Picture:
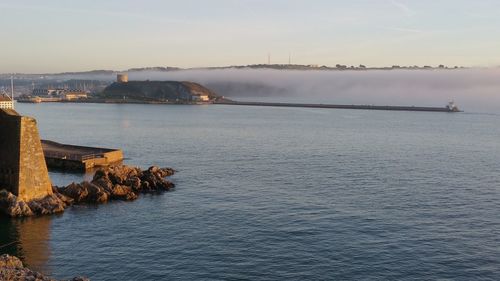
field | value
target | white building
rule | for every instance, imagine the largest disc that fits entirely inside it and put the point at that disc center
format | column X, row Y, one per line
column 6, row 102
column 200, row 98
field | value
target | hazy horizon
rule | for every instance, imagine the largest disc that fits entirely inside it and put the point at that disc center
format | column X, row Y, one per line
column 60, row 36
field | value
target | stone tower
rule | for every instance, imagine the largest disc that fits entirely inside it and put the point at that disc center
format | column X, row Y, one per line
column 23, row 170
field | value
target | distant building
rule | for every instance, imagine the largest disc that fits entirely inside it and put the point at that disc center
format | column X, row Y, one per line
column 48, row 92
column 74, row 95
column 122, row 78
column 200, row 98
column 6, row 102
column 54, row 95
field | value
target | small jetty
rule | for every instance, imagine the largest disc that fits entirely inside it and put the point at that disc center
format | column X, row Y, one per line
column 451, row 107
column 78, row 158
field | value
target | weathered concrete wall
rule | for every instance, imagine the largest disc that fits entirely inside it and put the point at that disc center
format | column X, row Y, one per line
column 23, row 170
column 113, row 156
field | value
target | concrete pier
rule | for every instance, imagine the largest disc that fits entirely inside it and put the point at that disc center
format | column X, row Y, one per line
column 78, row 158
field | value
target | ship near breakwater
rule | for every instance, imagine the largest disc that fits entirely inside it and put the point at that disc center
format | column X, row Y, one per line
column 450, row 107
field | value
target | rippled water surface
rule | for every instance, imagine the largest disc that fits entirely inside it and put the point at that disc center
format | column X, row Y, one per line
column 278, row 194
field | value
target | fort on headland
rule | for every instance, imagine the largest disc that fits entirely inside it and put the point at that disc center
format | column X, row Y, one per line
column 124, row 90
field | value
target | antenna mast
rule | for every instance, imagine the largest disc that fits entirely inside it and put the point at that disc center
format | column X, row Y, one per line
column 12, row 89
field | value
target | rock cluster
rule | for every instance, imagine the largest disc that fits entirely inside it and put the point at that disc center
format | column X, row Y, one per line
column 12, row 206
column 112, row 183
column 12, row 269
column 119, row 183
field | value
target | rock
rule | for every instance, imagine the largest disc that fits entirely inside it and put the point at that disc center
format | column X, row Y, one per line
column 96, row 194
column 154, row 176
column 11, row 206
column 122, row 192
column 68, row 201
column 134, row 182
column 145, row 186
column 12, row 269
column 10, row 261
column 166, row 172
column 112, row 183
column 50, row 204
column 85, row 192
column 75, row 191
column 105, row 183
column 119, row 174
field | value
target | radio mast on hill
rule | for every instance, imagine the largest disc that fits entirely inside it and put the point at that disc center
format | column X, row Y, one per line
column 268, row 58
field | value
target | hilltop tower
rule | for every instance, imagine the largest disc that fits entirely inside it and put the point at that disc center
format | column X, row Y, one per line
column 122, row 78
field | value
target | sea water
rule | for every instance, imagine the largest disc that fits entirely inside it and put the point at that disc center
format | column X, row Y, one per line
column 277, row 194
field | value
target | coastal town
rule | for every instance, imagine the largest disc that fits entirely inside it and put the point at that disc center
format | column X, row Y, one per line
column 123, row 91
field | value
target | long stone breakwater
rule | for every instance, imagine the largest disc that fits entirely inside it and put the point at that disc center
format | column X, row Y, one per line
column 449, row 108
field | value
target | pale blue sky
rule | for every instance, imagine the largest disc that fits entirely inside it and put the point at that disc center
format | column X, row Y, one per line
column 74, row 35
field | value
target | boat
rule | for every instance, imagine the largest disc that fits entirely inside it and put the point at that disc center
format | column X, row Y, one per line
column 452, row 107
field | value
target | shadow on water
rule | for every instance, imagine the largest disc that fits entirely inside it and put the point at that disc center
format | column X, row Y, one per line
column 27, row 239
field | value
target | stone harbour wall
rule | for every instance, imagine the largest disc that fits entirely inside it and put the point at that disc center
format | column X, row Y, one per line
column 23, row 170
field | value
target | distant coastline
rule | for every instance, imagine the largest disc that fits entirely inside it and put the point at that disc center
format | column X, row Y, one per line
column 337, row 67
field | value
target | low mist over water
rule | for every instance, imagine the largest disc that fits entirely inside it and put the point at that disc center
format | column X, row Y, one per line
column 474, row 90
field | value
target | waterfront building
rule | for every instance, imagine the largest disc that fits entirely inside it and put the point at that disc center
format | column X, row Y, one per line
column 47, row 92
column 74, row 95
column 200, row 98
column 59, row 94
column 6, row 102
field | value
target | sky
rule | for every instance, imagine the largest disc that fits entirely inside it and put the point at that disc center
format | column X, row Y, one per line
column 78, row 35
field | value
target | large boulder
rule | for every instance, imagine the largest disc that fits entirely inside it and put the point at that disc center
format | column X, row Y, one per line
column 123, row 192
column 96, row 194
column 75, row 191
column 154, row 179
column 10, row 261
column 12, row 206
column 50, row 204
column 85, row 192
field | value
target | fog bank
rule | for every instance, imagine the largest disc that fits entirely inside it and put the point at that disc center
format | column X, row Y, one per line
column 474, row 90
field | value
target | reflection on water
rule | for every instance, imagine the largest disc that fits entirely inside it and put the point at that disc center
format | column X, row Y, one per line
column 27, row 239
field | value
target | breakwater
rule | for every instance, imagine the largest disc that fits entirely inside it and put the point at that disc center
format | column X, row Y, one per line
column 448, row 108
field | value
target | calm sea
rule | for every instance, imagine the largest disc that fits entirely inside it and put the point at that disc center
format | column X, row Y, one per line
column 277, row 194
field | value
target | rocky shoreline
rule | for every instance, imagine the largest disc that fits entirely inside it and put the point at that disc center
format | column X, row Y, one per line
column 11, row 269
column 113, row 183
